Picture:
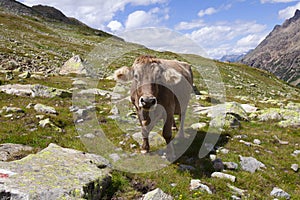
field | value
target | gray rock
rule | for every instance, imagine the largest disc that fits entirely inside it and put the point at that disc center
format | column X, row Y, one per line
column 9, row 151
column 56, row 173
column 257, row 141
column 79, row 84
column 231, row 165
column 198, row 126
column 277, row 192
column 296, row 152
column 46, row 122
column 25, row 75
column 157, row 194
column 218, row 165
column 237, row 190
column 73, row 66
column 196, row 184
column 12, row 109
column 89, row 135
column 115, row 157
column 234, row 197
column 249, row 108
column 250, row 164
column 115, row 111
column 295, row 167
column 223, row 176
column 45, row 109
column 34, row 91
column 9, row 75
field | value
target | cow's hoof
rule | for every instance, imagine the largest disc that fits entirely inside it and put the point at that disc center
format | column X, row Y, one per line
column 144, row 151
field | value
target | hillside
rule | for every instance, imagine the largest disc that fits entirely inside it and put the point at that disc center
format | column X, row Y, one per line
column 279, row 53
column 39, row 107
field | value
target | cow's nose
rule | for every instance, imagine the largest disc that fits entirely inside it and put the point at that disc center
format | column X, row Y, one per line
column 147, row 102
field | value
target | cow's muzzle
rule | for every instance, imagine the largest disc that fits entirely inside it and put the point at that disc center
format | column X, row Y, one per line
column 147, row 102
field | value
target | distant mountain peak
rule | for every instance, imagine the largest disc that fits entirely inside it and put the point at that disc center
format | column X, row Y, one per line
column 279, row 52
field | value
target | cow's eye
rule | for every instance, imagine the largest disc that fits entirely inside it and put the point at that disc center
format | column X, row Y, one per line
column 136, row 76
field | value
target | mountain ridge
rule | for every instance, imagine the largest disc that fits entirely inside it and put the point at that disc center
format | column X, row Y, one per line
column 279, row 52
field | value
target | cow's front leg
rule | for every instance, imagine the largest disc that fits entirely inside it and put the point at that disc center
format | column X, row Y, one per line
column 145, row 146
column 167, row 130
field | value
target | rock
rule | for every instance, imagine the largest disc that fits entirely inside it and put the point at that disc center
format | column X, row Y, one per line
column 250, row 164
column 155, row 139
column 295, row 167
column 281, row 141
column 196, row 184
column 237, row 190
column 12, row 109
column 45, row 109
column 9, row 75
column 233, row 197
column 249, row 108
column 156, row 195
column 198, row 126
column 212, row 157
column 95, row 91
column 218, row 165
column 257, row 141
column 34, row 91
column 79, row 84
column 56, row 173
column 46, row 122
column 277, row 192
column 25, row 75
column 10, row 151
column 73, row 66
column 296, row 152
column 115, row 157
column 230, row 121
column 89, row 135
column 115, row 111
column 223, row 176
column 231, row 165
column 223, row 151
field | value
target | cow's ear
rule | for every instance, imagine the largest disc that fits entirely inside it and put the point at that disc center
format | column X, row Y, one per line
column 123, row 74
column 172, row 76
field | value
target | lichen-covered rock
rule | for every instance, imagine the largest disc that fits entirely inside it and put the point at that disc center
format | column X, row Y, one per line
column 157, row 194
column 41, row 108
column 46, row 122
column 73, row 66
column 55, row 173
column 250, row 164
column 25, row 75
column 155, row 139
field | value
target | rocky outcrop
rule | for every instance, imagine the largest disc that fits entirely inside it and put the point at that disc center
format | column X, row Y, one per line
column 55, row 173
column 279, row 53
column 73, row 66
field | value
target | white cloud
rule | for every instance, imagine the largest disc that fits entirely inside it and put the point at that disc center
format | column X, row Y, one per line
column 229, row 38
column 289, row 11
column 115, row 26
column 94, row 13
column 277, row 1
column 208, row 11
column 190, row 25
column 141, row 18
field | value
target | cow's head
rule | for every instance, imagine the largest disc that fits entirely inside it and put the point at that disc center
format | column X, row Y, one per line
column 147, row 73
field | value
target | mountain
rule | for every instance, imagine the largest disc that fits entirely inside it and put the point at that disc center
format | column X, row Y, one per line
column 279, row 52
column 232, row 57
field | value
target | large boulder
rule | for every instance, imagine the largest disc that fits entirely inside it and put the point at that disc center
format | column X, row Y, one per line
column 55, row 173
column 10, row 151
column 73, row 66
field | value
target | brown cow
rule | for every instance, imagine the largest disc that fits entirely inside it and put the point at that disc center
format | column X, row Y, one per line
column 160, row 89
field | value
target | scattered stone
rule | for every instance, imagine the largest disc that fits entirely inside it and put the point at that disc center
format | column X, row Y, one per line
column 34, row 91
column 10, row 151
column 277, row 192
column 46, row 122
column 249, row 108
column 8, row 116
column 223, row 176
column 257, row 141
column 196, row 184
column 115, row 111
column 56, row 173
column 115, row 157
column 218, row 165
column 89, row 135
column 157, row 194
column 25, row 75
column 173, row 184
column 231, row 165
column 79, row 84
column 224, row 151
column 132, row 146
column 73, row 66
column 295, row 167
column 281, row 141
column 198, row 126
column 45, row 109
column 212, row 157
column 9, row 76
column 233, row 197
column 250, row 164
column 296, row 152
column 240, row 136
column 237, row 190
column 12, row 109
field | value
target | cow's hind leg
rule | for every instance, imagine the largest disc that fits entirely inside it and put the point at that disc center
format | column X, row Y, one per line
column 181, row 128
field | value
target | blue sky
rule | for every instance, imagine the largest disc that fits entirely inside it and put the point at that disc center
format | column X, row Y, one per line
column 219, row 27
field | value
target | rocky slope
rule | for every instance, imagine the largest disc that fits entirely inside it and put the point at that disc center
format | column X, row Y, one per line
column 279, row 53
